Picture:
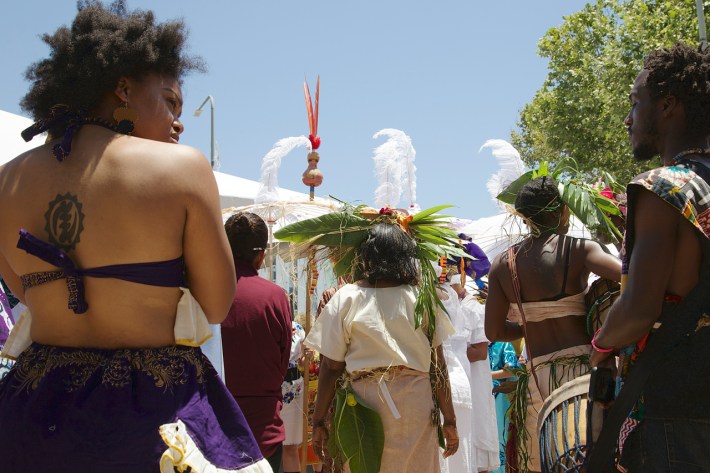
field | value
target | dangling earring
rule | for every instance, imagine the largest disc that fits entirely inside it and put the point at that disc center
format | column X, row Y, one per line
column 125, row 118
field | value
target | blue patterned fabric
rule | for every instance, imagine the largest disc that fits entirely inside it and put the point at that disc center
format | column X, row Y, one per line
column 501, row 354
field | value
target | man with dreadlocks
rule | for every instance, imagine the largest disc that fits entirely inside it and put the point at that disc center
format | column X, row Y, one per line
column 536, row 290
column 662, row 312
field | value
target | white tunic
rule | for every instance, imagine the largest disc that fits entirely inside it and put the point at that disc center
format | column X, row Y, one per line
column 458, row 367
column 371, row 328
column 485, row 427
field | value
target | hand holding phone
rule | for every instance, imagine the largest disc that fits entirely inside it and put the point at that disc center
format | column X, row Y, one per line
column 601, row 385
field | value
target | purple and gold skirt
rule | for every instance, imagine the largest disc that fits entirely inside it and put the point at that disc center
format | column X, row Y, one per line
column 138, row 410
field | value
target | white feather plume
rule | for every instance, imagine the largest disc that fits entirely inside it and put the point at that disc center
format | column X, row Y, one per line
column 410, row 171
column 511, row 167
column 394, row 166
column 268, row 190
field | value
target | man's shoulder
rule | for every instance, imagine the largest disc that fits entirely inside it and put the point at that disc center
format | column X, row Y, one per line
column 678, row 185
column 677, row 175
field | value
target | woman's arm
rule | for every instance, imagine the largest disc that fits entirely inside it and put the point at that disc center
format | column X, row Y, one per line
column 208, row 258
column 601, row 262
column 501, row 374
column 497, row 327
column 477, row 351
column 330, row 371
column 446, row 405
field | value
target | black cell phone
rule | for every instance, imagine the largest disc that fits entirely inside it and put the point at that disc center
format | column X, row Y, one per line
column 601, row 385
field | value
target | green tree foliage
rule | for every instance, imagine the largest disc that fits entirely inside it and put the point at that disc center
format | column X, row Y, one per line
column 594, row 57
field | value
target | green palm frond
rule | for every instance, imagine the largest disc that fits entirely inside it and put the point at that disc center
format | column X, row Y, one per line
column 584, row 200
column 345, row 231
column 509, row 193
column 422, row 216
column 333, row 229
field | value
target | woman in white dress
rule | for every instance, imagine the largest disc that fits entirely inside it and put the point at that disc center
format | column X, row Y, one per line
column 459, row 376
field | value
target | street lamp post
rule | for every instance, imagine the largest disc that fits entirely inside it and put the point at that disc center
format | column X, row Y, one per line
column 701, row 24
column 197, row 114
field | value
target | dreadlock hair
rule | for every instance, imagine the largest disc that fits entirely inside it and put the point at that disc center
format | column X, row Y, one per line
column 388, row 253
column 103, row 45
column 539, row 202
column 683, row 72
column 247, row 235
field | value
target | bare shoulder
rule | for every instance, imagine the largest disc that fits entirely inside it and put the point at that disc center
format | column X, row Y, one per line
column 499, row 266
column 588, row 245
column 22, row 165
column 177, row 165
column 175, row 156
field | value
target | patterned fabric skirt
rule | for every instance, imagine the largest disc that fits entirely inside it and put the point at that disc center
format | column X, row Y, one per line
column 138, row 410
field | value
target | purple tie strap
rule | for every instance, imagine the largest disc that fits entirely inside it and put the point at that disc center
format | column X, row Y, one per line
column 71, row 120
column 57, row 257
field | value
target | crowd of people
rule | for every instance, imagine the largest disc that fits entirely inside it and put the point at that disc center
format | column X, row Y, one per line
column 113, row 240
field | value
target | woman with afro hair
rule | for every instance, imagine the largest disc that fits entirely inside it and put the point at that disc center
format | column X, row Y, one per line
column 115, row 221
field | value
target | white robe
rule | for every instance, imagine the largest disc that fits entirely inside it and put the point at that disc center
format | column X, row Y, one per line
column 458, row 367
column 484, row 422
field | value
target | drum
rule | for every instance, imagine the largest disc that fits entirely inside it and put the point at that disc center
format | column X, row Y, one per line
column 601, row 295
column 562, row 427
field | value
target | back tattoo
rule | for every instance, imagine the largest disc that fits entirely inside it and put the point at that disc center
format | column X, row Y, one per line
column 64, row 221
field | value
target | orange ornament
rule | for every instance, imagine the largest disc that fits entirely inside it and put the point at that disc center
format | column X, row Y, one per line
column 312, row 176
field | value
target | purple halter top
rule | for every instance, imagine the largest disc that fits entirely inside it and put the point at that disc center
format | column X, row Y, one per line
column 162, row 273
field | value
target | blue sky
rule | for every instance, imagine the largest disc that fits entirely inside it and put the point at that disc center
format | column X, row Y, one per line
column 450, row 74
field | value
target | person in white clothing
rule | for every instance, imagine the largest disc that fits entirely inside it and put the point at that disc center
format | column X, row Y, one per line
column 485, row 427
column 459, row 376
column 292, row 409
column 368, row 329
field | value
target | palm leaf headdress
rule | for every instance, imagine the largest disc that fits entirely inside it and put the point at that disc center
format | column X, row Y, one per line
column 342, row 233
column 593, row 204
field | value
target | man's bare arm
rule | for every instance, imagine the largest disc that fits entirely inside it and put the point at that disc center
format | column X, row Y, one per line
column 638, row 308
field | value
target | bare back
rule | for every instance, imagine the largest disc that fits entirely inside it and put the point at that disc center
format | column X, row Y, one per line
column 550, row 268
column 115, row 200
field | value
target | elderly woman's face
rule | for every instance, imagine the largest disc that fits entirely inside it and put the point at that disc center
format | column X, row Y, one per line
column 158, row 102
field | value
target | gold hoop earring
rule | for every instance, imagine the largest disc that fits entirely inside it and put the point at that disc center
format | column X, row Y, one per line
column 125, row 118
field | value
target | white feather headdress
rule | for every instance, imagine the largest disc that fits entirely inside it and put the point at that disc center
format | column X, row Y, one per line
column 268, row 191
column 394, row 168
column 511, row 168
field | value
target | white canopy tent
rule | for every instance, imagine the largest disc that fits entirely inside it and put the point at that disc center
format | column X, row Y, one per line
column 11, row 143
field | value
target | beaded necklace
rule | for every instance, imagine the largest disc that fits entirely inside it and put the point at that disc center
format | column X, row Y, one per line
column 683, row 154
column 72, row 120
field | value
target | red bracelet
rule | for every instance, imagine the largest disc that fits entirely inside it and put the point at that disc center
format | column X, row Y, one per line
column 598, row 349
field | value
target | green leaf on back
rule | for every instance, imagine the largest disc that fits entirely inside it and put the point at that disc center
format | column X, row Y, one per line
column 345, row 264
column 357, row 434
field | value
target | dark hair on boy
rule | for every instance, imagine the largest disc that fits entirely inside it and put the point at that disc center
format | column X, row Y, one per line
column 388, row 253
column 539, row 200
column 102, row 45
column 683, row 72
column 247, row 235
